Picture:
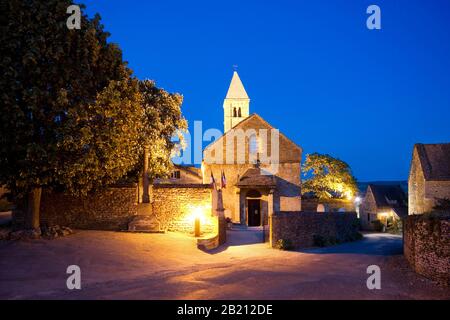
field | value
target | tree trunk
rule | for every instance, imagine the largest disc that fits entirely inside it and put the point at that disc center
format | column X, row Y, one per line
column 145, row 180
column 33, row 206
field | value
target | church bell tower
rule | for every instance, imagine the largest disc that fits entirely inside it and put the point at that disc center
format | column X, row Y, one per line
column 236, row 104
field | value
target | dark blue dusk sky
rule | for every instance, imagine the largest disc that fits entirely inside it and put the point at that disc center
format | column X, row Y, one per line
column 311, row 68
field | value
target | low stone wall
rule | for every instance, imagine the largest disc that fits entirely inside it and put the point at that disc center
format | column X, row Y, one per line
column 300, row 227
column 110, row 209
column 426, row 245
column 175, row 207
column 310, row 205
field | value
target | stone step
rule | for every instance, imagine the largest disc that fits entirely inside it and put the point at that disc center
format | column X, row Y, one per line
column 237, row 226
column 145, row 223
column 243, row 227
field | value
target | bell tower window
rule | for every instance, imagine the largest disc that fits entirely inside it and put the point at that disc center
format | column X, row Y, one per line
column 234, row 112
column 239, row 112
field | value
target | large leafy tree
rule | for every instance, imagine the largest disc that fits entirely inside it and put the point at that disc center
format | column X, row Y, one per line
column 329, row 177
column 163, row 121
column 70, row 111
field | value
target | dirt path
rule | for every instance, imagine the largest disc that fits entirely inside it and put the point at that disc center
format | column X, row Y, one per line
column 169, row 266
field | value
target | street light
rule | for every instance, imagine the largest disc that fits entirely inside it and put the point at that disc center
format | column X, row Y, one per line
column 197, row 214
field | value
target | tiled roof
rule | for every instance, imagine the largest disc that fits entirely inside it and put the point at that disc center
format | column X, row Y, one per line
column 435, row 160
column 389, row 196
column 402, row 212
column 190, row 169
column 253, row 177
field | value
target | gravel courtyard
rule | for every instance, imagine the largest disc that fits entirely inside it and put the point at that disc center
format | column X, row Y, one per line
column 117, row 265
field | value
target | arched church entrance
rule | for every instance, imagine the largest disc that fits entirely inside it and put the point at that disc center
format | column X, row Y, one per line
column 253, row 205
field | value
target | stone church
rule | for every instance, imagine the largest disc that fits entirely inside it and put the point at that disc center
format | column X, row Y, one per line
column 256, row 166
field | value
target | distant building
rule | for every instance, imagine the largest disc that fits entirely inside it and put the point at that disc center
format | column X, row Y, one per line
column 429, row 176
column 385, row 203
column 182, row 175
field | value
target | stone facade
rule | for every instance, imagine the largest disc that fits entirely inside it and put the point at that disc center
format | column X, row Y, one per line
column 285, row 169
column 426, row 246
column 110, row 209
column 384, row 203
column 368, row 211
column 429, row 176
column 301, row 227
column 182, row 175
column 175, row 207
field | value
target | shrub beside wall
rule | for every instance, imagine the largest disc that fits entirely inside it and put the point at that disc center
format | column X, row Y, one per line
column 304, row 229
column 110, row 209
column 426, row 245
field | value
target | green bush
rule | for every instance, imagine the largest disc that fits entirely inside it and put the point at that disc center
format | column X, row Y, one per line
column 358, row 236
column 323, row 241
column 355, row 237
column 442, row 204
column 395, row 227
column 433, row 215
column 357, row 224
column 284, row 244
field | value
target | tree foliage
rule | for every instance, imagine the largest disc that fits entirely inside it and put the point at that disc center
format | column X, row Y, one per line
column 70, row 110
column 162, row 120
column 72, row 115
column 330, row 177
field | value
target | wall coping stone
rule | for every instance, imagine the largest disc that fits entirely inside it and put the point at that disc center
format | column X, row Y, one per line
column 174, row 186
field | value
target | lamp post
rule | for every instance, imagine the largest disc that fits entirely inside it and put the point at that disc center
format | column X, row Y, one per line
column 197, row 226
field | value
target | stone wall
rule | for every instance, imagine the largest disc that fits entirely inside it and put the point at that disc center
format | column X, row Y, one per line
column 310, row 204
column 110, row 209
column 426, row 245
column 301, row 227
column 175, row 206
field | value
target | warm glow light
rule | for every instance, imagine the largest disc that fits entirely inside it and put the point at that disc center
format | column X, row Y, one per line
column 348, row 194
column 199, row 212
column 200, row 219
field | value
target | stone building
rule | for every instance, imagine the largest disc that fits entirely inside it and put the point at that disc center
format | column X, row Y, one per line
column 182, row 175
column 429, row 176
column 385, row 203
column 261, row 166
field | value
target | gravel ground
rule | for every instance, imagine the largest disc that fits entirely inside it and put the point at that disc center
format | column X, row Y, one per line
column 117, row 265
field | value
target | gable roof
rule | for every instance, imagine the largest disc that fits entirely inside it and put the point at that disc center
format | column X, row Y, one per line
column 243, row 122
column 189, row 169
column 254, row 178
column 434, row 160
column 388, row 196
column 236, row 89
column 402, row 212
